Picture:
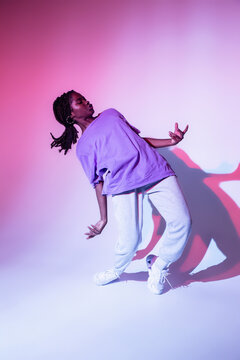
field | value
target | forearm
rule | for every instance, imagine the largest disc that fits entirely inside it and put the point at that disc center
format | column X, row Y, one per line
column 102, row 201
column 157, row 143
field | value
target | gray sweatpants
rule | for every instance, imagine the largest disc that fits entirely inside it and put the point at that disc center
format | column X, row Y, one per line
column 168, row 199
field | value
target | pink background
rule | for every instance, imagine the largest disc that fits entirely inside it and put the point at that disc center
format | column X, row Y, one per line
column 157, row 62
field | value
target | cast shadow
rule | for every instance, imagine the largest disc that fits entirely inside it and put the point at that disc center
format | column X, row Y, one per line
column 214, row 216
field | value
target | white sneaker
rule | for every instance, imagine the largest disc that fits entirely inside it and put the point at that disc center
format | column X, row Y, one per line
column 156, row 279
column 105, row 277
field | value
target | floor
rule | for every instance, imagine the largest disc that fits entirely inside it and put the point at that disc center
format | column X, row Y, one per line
column 51, row 309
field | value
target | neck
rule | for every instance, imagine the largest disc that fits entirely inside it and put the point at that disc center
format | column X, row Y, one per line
column 84, row 122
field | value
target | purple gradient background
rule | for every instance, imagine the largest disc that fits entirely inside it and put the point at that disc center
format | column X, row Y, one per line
column 157, row 62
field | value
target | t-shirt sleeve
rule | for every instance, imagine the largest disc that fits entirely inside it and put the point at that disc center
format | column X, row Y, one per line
column 137, row 131
column 89, row 165
column 133, row 127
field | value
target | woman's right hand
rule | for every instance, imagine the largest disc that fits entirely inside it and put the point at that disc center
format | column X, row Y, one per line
column 178, row 134
column 96, row 229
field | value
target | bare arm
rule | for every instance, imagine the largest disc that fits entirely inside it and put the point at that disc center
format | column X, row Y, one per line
column 102, row 203
column 157, row 143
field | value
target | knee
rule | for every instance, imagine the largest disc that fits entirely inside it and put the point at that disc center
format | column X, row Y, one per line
column 127, row 248
column 186, row 221
column 131, row 248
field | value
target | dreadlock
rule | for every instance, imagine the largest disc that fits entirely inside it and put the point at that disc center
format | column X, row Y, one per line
column 62, row 112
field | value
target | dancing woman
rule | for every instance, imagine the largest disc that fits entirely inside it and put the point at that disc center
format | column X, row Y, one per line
column 120, row 163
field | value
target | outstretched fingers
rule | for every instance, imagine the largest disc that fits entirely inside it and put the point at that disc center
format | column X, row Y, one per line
column 185, row 130
column 177, row 130
column 94, row 229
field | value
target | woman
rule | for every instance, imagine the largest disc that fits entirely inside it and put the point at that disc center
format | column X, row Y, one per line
column 118, row 162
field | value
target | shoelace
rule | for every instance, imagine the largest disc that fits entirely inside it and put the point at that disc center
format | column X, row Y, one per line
column 163, row 277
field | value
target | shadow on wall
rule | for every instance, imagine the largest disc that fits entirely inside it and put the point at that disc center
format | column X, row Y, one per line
column 214, row 215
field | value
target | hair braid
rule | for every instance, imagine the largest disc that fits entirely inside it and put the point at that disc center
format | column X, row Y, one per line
column 62, row 110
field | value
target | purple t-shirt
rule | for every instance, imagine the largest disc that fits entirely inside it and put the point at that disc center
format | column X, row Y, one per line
column 110, row 146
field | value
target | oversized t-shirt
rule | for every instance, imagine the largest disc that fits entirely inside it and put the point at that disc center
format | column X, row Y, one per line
column 111, row 147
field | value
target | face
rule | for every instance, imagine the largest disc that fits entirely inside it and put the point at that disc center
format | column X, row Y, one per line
column 80, row 107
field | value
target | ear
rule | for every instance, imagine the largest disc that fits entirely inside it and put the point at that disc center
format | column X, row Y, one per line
column 72, row 115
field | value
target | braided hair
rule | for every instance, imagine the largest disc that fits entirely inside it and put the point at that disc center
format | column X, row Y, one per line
column 62, row 112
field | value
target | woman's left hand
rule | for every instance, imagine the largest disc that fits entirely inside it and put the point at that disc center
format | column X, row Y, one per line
column 178, row 134
column 96, row 229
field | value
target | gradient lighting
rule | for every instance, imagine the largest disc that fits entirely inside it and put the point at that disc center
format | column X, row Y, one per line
column 157, row 62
